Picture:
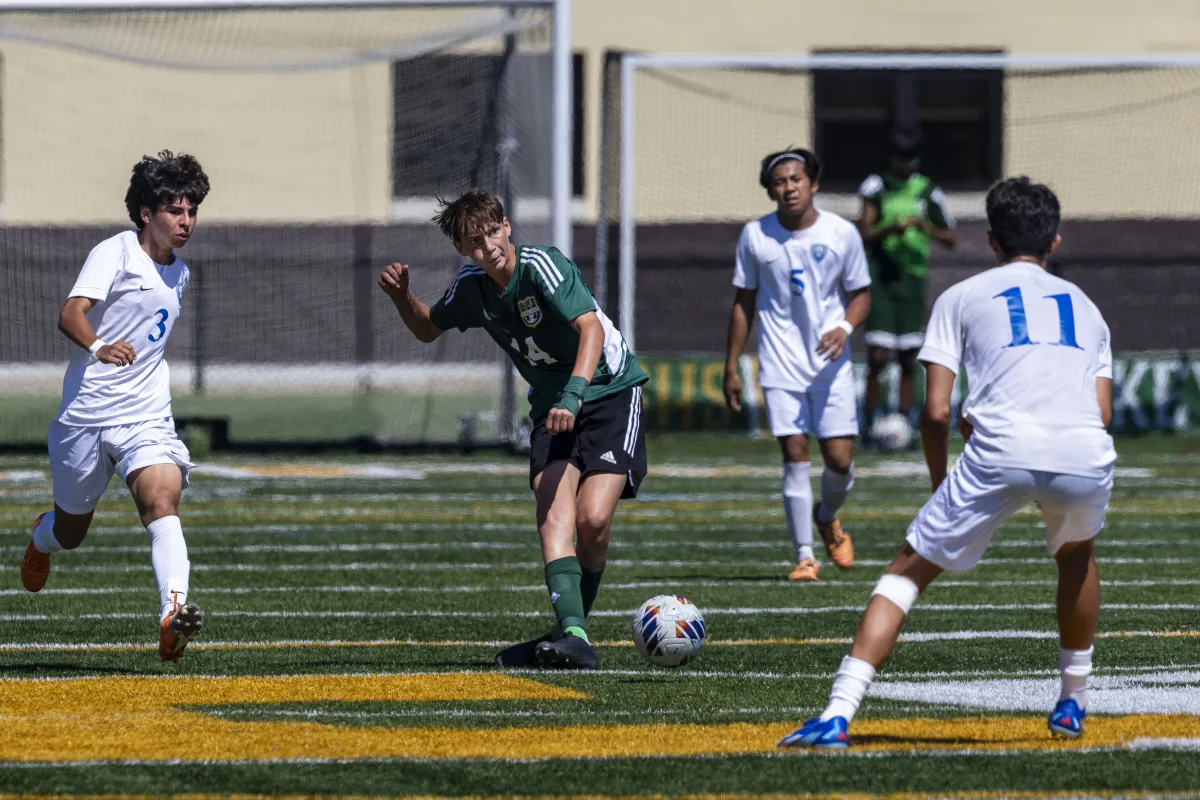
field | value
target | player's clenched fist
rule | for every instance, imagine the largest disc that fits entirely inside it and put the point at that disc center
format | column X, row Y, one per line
column 119, row 353
column 559, row 420
column 394, row 280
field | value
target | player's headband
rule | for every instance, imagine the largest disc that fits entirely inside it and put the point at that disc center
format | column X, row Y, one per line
column 777, row 160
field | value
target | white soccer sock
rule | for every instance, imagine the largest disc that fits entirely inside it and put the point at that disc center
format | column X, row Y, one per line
column 168, row 555
column 43, row 536
column 797, row 505
column 850, row 686
column 1075, row 666
column 835, row 487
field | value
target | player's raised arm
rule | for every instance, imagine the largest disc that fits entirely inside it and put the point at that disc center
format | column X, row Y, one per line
column 394, row 282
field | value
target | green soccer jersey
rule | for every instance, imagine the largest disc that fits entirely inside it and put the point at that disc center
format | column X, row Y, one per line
column 899, row 199
column 531, row 321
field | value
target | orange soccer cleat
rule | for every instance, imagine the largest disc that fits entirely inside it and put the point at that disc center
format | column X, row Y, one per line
column 837, row 541
column 35, row 567
column 177, row 629
column 806, row 570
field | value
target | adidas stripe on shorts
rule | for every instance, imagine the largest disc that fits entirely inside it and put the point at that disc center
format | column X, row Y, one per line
column 608, row 437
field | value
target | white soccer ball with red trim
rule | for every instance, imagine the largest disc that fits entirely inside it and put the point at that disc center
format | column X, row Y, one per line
column 669, row 630
column 892, row 432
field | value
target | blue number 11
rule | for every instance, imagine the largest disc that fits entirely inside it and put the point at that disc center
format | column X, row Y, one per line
column 1020, row 327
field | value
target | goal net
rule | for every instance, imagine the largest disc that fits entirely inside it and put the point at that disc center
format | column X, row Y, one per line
column 1112, row 136
column 327, row 133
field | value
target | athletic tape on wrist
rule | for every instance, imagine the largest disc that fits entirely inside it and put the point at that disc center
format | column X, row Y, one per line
column 575, row 389
column 96, row 345
column 846, row 326
column 899, row 589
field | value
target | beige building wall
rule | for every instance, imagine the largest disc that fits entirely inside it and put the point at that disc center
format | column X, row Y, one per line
column 282, row 148
column 316, row 146
column 298, row 146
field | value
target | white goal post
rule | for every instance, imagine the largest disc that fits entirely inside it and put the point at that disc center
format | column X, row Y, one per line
column 627, row 200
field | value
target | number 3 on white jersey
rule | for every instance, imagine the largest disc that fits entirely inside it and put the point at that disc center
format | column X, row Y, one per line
column 535, row 353
column 160, row 324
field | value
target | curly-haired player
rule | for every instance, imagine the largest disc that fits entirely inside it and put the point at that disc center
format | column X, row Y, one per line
column 116, row 406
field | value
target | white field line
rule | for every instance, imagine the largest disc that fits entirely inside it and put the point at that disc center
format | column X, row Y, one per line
column 524, row 529
column 711, row 612
column 526, row 565
column 1143, row 744
column 891, row 469
column 954, row 636
column 674, row 713
column 657, row 672
column 632, row 514
column 624, row 533
column 1164, row 488
column 387, row 493
column 468, row 713
column 391, row 547
column 538, row 587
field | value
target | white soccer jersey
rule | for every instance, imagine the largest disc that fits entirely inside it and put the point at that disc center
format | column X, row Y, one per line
column 803, row 279
column 138, row 302
column 1033, row 346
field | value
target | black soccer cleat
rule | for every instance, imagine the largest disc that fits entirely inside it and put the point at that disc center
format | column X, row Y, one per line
column 569, row 652
column 522, row 654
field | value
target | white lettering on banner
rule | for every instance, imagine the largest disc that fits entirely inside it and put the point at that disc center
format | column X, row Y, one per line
column 1170, row 413
column 1163, row 405
column 1126, row 378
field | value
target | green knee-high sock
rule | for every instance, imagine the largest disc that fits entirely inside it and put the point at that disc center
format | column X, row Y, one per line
column 563, row 578
column 589, row 586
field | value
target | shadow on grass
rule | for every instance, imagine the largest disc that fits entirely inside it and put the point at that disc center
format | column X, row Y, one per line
column 39, row 669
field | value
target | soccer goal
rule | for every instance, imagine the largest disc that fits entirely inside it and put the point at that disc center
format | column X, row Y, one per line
column 328, row 128
column 683, row 136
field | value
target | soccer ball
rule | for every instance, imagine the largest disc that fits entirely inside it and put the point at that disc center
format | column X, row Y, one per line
column 892, row 432
column 668, row 630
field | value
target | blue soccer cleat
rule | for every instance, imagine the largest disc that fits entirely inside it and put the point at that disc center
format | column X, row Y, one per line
column 1067, row 719
column 830, row 735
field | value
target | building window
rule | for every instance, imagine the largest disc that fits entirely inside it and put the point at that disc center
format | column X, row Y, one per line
column 450, row 120
column 959, row 114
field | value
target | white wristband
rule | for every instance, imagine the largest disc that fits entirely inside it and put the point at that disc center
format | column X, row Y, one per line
column 96, row 345
column 846, row 326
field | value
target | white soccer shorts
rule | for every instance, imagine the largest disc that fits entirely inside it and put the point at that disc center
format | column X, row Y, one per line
column 83, row 459
column 830, row 412
column 956, row 525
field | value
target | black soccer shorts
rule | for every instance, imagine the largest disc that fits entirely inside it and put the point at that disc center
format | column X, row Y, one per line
column 608, row 437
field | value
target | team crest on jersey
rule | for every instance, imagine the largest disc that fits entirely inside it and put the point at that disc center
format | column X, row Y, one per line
column 531, row 312
column 818, row 252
